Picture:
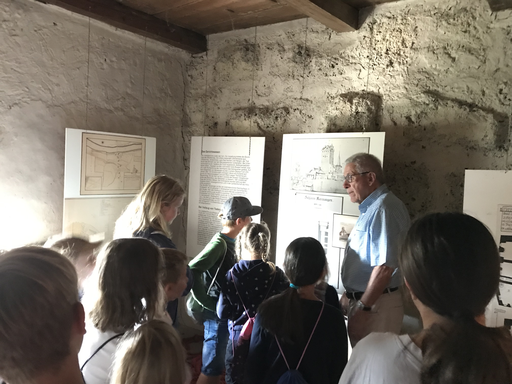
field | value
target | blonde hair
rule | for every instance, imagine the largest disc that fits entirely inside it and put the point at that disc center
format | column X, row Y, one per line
column 255, row 238
column 38, row 301
column 174, row 261
column 151, row 354
column 145, row 209
column 127, row 281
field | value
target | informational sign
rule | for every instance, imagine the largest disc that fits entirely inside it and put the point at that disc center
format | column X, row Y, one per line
column 102, row 173
column 487, row 197
column 312, row 200
column 220, row 168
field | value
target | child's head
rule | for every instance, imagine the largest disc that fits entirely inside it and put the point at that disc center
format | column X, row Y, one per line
column 80, row 252
column 253, row 242
column 41, row 319
column 128, row 284
column 156, row 206
column 237, row 211
column 175, row 280
column 151, row 354
column 305, row 262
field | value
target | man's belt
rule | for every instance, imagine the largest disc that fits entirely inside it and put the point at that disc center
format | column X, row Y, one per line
column 358, row 295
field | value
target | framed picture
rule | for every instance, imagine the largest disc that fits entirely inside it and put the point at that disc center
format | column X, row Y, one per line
column 341, row 228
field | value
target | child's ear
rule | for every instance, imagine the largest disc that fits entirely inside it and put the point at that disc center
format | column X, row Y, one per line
column 168, row 289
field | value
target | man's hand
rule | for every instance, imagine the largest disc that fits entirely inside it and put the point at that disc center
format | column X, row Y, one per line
column 357, row 327
column 345, row 303
column 379, row 280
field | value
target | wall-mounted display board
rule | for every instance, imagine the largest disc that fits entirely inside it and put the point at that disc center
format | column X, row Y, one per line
column 312, row 200
column 488, row 197
column 220, row 168
column 102, row 173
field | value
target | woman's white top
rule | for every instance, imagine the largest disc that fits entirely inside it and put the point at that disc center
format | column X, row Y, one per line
column 383, row 358
column 97, row 370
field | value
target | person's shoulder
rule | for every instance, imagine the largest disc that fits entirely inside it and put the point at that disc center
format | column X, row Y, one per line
column 380, row 344
column 218, row 240
column 333, row 313
column 216, row 244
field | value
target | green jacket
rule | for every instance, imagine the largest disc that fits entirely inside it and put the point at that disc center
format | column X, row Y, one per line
column 204, row 267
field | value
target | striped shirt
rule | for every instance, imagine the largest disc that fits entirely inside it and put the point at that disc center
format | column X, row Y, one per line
column 375, row 239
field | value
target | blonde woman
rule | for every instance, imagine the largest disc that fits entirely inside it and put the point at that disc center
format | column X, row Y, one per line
column 127, row 291
column 149, row 216
column 151, row 354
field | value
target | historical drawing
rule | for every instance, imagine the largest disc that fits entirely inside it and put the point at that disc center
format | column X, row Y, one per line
column 317, row 164
column 342, row 226
column 112, row 164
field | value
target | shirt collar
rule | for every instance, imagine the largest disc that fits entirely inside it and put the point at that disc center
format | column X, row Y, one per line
column 226, row 237
column 372, row 198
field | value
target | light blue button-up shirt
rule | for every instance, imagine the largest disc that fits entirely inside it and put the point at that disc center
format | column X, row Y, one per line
column 375, row 239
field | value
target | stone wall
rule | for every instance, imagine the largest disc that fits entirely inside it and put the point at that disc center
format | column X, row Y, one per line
column 436, row 76
column 58, row 70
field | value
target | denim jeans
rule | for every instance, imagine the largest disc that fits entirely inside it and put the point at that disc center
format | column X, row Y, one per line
column 214, row 345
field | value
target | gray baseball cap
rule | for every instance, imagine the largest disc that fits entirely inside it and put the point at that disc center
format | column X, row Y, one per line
column 238, row 207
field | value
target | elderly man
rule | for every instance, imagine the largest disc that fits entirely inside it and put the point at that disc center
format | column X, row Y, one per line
column 370, row 273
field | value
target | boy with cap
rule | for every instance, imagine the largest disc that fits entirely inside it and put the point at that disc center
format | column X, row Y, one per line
column 209, row 269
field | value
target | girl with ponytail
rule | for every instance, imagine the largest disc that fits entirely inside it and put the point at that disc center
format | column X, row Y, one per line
column 451, row 267
column 295, row 328
column 253, row 279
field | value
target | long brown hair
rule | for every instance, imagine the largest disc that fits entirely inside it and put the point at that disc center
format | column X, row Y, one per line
column 128, row 285
column 452, row 265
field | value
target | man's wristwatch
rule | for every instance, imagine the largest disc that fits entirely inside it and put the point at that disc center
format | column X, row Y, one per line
column 360, row 305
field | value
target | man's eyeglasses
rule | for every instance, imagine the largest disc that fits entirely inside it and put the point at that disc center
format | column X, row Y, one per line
column 350, row 177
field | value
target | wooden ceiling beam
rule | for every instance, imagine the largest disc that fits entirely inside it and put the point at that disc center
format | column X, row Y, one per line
column 500, row 5
column 113, row 13
column 335, row 14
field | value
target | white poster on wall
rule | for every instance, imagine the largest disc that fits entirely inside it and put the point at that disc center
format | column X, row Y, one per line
column 220, row 168
column 312, row 200
column 487, row 197
column 103, row 171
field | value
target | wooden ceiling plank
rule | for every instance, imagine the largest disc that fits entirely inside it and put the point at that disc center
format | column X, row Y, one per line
column 250, row 20
column 334, row 14
column 123, row 17
column 211, row 6
column 217, row 14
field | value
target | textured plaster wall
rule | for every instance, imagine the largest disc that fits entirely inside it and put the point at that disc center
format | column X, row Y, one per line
column 436, row 76
column 59, row 70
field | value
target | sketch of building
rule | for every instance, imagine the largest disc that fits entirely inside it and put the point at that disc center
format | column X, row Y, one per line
column 319, row 168
column 112, row 164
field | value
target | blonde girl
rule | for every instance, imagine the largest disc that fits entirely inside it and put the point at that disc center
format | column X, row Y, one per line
column 151, row 354
column 149, row 215
column 253, row 279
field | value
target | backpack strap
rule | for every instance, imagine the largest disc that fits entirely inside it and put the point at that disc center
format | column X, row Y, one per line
column 220, row 265
column 99, row 349
column 307, row 344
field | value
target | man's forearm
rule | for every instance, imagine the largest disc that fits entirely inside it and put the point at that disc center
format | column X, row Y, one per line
column 379, row 280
